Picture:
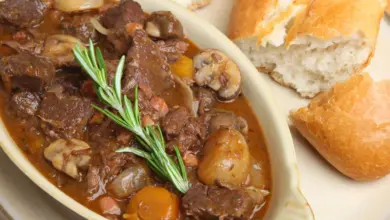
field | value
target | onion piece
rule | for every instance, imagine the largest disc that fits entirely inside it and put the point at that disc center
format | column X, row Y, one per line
column 77, row 5
column 99, row 27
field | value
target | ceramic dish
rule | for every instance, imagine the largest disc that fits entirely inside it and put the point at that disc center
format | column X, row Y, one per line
column 287, row 202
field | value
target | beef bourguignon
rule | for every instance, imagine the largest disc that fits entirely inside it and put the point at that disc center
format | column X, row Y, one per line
column 146, row 127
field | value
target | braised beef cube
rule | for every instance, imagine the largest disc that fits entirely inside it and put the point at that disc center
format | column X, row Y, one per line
column 26, row 71
column 64, row 115
column 210, row 202
column 120, row 40
column 207, row 100
column 146, row 65
column 174, row 122
column 189, row 138
column 164, row 25
column 23, row 13
column 182, row 130
column 80, row 26
column 173, row 49
column 108, row 165
column 25, row 103
column 69, row 83
column 94, row 181
column 127, row 11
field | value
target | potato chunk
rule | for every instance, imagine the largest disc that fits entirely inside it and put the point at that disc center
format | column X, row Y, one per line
column 226, row 159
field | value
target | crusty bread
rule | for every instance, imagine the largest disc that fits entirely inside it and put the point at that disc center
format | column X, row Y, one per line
column 350, row 127
column 388, row 7
column 308, row 45
column 193, row 4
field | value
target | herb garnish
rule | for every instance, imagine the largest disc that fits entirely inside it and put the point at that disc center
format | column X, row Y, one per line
column 128, row 116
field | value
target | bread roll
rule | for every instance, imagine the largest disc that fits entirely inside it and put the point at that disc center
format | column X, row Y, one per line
column 308, row 45
column 193, row 4
column 350, row 127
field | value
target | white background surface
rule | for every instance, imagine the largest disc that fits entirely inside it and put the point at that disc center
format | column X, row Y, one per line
column 332, row 196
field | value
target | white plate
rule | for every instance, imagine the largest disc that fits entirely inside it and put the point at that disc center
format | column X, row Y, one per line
column 331, row 195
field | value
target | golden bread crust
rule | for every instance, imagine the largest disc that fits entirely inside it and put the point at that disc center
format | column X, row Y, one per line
column 327, row 19
column 350, row 127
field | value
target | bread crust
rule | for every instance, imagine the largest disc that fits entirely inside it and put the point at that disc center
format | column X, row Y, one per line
column 350, row 127
column 247, row 16
column 388, row 7
column 328, row 19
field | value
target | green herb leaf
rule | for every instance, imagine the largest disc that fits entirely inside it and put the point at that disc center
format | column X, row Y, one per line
column 128, row 116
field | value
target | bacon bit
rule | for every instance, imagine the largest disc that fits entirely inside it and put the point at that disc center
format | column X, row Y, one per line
column 88, row 88
column 132, row 27
column 147, row 121
column 190, row 159
column 160, row 105
column 110, row 206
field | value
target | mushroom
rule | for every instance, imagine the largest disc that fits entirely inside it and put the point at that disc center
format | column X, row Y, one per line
column 216, row 71
column 59, row 48
column 164, row 25
column 69, row 156
column 225, row 119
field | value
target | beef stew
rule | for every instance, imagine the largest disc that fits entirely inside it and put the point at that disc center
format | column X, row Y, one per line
column 194, row 95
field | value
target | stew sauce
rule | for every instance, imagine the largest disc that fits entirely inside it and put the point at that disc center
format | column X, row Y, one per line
column 31, row 134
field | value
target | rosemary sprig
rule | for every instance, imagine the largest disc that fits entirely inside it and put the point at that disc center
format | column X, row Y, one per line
column 128, row 116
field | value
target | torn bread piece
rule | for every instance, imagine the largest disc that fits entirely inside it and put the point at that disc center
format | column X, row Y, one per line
column 350, row 126
column 307, row 45
column 193, row 4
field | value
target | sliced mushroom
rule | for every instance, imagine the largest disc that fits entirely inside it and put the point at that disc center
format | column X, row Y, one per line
column 216, row 71
column 59, row 48
column 164, row 25
column 69, row 156
column 226, row 119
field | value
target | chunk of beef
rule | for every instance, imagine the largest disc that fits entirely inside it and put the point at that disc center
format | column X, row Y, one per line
column 23, row 13
column 80, row 26
column 67, row 82
column 164, row 25
column 107, row 165
column 120, row 40
column 206, row 98
column 146, row 65
column 127, row 11
column 64, row 115
column 25, row 103
column 26, row 71
column 183, row 130
column 210, row 202
column 173, row 49
column 174, row 122
column 29, row 46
